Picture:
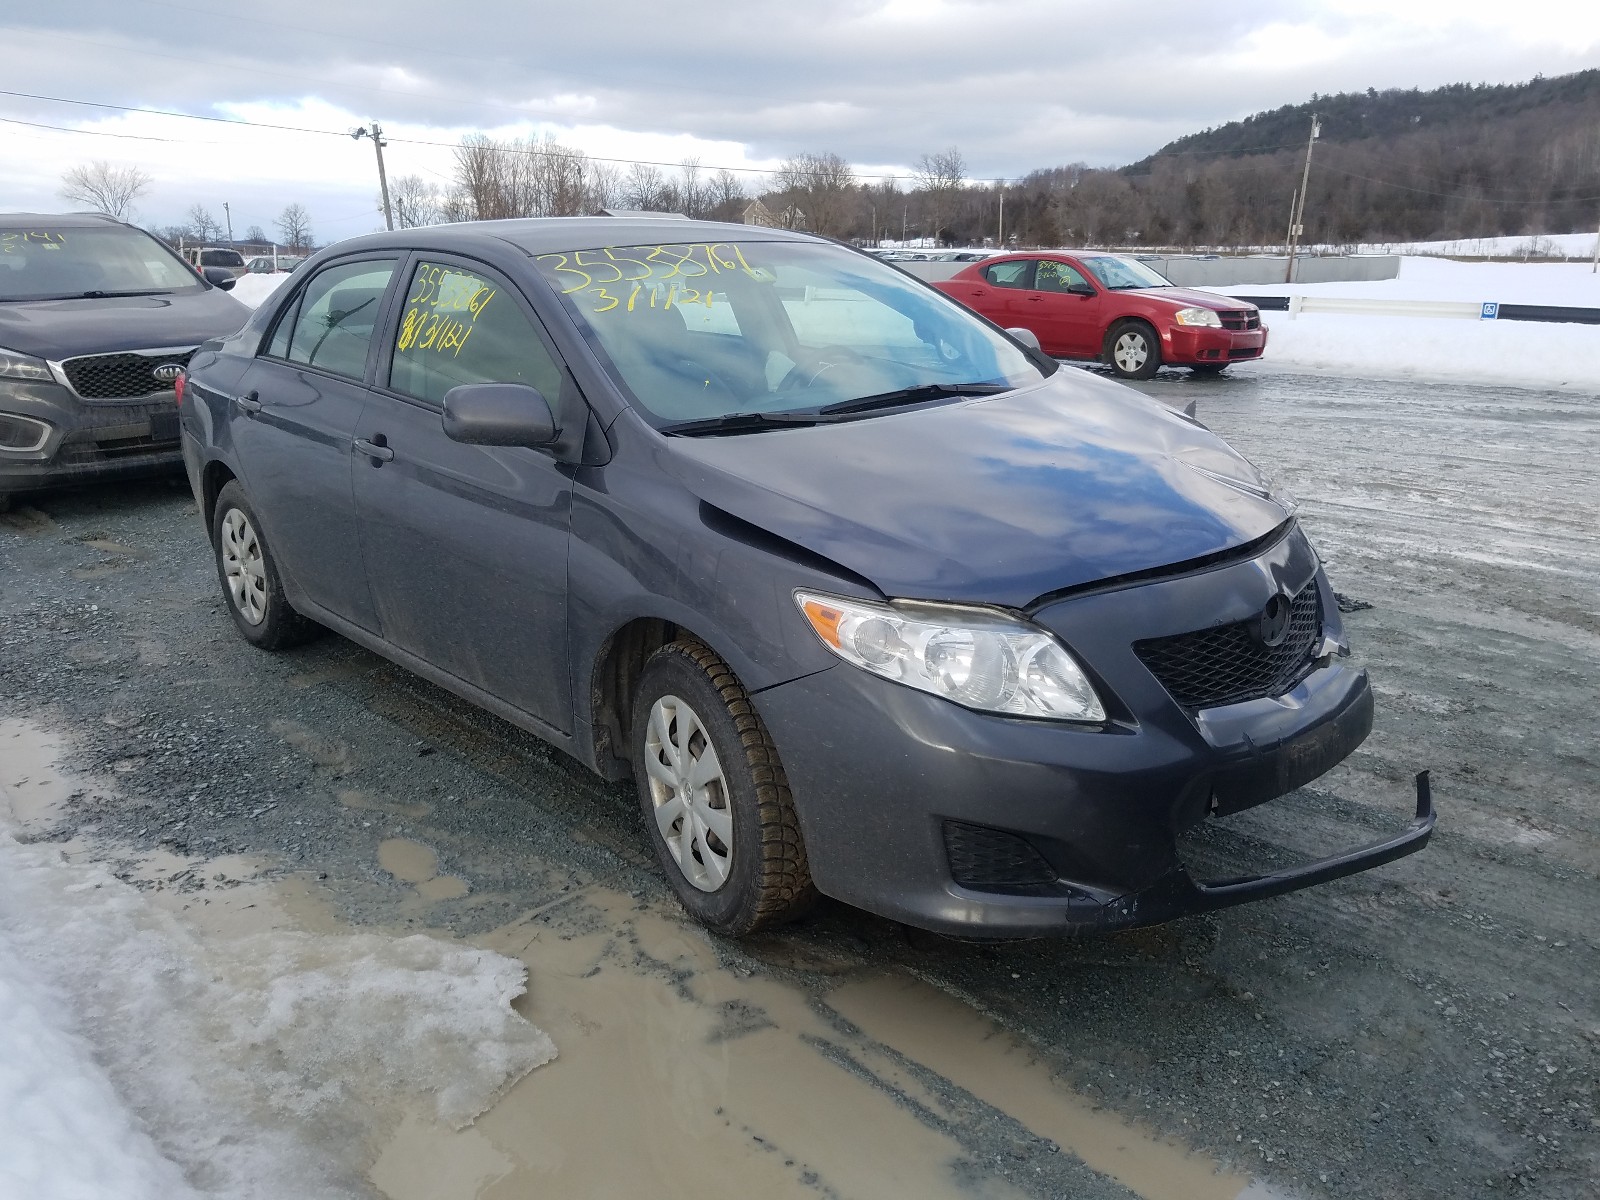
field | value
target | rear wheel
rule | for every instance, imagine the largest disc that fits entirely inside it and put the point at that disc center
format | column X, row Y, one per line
column 714, row 796
column 1133, row 350
column 249, row 576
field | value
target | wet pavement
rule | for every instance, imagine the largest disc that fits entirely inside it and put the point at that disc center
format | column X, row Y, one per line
column 1427, row 1029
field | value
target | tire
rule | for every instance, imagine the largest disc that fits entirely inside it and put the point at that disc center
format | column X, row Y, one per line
column 742, row 865
column 249, row 577
column 1133, row 350
column 1209, row 368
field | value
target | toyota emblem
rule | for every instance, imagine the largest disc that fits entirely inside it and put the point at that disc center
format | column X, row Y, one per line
column 1272, row 626
column 167, row 372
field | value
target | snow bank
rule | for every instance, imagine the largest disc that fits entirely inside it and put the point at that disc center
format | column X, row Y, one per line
column 1497, row 353
column 253, row 289
column 137, row 1060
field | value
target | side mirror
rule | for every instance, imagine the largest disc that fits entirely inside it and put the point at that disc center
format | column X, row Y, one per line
column 1026, row 336
column 219, row 277
column 1080, row 289
column 499, row 414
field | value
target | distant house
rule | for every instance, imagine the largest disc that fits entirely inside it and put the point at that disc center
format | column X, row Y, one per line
column 757, row 213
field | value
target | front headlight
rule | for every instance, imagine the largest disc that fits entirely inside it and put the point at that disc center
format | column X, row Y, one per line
column 23, row 366
column 1198, row 316
column 979, row 658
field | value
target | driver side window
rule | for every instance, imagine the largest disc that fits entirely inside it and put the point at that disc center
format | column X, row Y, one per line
column 1055, row 276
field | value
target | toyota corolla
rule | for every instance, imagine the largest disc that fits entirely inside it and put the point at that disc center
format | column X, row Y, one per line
column 868, row 597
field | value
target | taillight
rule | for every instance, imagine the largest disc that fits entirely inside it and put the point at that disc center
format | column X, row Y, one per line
column 178, row 385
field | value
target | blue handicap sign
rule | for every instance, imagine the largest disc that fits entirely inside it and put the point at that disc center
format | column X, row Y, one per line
column 1491, row 310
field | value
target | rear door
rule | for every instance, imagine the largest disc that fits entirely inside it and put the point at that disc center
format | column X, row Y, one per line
column 292, row 419
column 466, row 546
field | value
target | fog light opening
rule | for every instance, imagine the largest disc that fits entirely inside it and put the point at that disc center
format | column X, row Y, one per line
column 22, row 435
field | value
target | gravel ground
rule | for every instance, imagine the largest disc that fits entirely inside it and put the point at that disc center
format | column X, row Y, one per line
column 1428, row 1029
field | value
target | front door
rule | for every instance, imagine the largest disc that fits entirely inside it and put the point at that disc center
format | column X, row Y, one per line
column 466, row 546
column 1073, row 318
column 292, row 417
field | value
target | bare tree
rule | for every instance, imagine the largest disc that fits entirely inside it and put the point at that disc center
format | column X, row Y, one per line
column 941, row 176
column 294, row 227
column 105, row 188
column 694, row 194
column 203, row 225
column 727, row 195
column 415, row 201
column 256, row 234
column 602, row 186
column 817, row 190
column 644, row 188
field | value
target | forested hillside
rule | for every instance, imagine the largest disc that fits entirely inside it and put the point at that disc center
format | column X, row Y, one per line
column 1459, row 161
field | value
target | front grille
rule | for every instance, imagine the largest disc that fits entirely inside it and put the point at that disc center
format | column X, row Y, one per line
column 120, row 376
column 1240, row 319
column 992, row 860
column 1228, row 663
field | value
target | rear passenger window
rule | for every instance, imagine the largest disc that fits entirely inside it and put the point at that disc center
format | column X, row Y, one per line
column 462, row 326
column 1014, row 274
column 333, row 326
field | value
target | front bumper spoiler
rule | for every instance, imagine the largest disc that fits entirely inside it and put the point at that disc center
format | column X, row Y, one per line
column 1179, row 895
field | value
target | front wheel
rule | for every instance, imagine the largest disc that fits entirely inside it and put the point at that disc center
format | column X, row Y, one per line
column 714, row 795
column 1132, row 350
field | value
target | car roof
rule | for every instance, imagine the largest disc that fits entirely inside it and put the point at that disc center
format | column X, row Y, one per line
column 78, row 220
column 545, row 235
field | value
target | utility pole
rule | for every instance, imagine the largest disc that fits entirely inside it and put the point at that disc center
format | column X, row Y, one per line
column 375, row 132
column 228, row 212
column 1595, row 267
column 1000, row 233
column 1298, row 211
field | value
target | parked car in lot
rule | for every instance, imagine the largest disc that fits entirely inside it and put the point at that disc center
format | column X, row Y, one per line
column 1111, row 309
column 273, row 264
column 97, row 319
column 867, row 597
column 221, row 257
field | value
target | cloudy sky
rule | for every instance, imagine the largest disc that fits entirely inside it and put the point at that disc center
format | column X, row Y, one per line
column 1016, row 84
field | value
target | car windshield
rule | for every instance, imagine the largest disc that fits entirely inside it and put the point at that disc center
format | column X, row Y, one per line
column 702, row 331
column 41, row 262
column 1119, row 274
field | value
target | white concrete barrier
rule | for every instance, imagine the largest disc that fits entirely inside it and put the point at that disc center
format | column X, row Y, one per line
column 1457, row 309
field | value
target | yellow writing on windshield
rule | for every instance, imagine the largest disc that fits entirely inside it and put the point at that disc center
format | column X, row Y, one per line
column 441, row 309
column 38, row 239
column 626, row 278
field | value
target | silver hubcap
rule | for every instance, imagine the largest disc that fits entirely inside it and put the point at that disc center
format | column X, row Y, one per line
column 1130, row 351
column 690, row 794
column 242, row 567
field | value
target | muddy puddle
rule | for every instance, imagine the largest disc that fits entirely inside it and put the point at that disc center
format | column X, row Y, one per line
column 681, row 1072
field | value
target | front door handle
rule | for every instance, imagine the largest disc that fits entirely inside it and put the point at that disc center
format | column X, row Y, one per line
column 250, row 403
column 376, row 450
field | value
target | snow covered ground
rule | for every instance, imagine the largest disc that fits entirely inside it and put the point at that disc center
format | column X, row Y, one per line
column 1498, row 353
column 142, row 1060
column 1534, row 245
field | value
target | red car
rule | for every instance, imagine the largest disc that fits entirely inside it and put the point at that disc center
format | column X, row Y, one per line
column 1110, row 309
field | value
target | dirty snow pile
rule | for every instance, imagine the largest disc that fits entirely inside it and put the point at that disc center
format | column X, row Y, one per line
column 140, row 1060
column 1500, row 353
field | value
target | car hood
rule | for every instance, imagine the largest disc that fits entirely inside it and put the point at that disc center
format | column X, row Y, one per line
column 61, row 329
column 1191, row 298
column 999, row 500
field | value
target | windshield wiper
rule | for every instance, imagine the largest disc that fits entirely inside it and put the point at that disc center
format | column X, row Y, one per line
column 912, row 395
column 741, row 422
column 97, row 294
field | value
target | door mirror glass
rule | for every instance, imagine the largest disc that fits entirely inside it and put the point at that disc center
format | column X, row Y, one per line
column 499, row 414
column 219, row 277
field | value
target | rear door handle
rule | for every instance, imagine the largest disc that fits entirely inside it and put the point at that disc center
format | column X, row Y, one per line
column 374, row 450
column 250, row 403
